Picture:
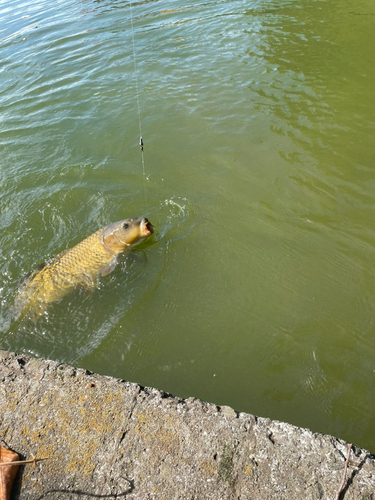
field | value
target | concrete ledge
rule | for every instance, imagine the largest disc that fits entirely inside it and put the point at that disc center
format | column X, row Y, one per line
column 107, row 438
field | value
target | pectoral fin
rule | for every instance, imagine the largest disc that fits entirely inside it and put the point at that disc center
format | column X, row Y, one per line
column 86, row 283
column 108, row 268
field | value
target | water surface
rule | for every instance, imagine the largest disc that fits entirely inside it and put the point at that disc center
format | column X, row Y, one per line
column 257, row 289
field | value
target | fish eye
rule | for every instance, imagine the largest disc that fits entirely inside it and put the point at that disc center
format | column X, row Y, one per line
column 125, row 225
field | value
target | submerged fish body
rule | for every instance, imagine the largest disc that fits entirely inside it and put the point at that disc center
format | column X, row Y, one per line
column 79, row 266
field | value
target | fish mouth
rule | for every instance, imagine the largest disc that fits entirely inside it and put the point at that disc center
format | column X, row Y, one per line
column 147, row 227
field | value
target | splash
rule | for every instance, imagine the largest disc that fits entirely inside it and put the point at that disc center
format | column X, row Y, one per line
column 175, row 219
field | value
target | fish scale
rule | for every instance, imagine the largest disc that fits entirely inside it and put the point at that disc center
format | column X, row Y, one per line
column 80, row 266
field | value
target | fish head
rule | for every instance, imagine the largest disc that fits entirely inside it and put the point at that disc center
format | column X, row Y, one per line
column 126, row 233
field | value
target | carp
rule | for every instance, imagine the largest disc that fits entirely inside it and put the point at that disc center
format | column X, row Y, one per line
column 79, row 266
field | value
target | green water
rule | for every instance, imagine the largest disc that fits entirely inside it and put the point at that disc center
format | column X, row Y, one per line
column 257, row 289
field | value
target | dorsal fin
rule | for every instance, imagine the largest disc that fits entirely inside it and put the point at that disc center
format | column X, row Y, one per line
column 53, row 260
column 32, row 273
column 39, row 267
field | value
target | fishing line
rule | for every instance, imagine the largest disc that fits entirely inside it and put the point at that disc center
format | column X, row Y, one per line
column 138, row 105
